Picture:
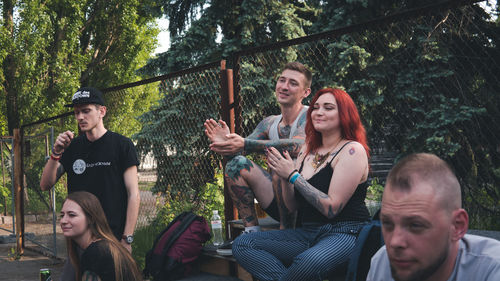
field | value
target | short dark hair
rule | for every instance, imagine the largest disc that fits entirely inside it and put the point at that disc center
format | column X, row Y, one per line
column 429, row 168
column 297, row 66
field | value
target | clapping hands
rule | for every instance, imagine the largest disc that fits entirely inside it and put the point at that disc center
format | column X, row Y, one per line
column 216, row 132
column 281, row 165
column 223, row 142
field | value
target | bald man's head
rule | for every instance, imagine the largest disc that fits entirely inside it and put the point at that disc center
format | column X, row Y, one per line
column 428, row 168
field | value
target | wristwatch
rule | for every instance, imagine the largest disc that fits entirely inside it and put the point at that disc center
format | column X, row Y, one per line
column 128, row 238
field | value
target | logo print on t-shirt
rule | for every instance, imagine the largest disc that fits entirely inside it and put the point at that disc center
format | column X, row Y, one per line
column 79, row 166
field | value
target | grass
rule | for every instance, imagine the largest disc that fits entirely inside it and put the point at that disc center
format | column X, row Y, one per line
column 146, row 185
column 143, row 242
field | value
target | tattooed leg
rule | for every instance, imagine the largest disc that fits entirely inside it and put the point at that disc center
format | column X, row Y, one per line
column 247, row 181
column 243, row 199
column 236, row 165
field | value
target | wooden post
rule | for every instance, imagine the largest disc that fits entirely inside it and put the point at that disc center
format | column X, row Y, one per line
column 18, row 191
column 227, row 98
column 227, row 114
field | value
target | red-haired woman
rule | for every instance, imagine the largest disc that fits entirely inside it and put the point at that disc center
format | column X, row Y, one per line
column 327, row 185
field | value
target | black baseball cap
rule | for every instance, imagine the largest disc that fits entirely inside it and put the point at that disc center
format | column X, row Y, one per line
column 86, row 95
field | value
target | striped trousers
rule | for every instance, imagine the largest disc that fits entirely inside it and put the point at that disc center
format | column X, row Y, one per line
column 311, row 252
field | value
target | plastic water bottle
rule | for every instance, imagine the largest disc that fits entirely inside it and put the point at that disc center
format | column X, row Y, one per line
column 216, row 229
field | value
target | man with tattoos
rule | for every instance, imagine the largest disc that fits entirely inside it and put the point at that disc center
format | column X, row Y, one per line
column 285, row 132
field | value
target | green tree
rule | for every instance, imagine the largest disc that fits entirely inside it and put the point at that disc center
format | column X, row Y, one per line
column 203, row 32
column 50, row 48
column 428, row 83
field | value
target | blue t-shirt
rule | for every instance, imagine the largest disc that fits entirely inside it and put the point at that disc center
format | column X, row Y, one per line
column 478, row 259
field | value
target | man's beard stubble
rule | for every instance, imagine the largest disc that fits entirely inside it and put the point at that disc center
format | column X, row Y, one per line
column 423, row 274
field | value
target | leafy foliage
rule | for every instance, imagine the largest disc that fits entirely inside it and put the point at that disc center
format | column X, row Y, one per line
column 224, row 26
column 50, row 48
column 5, row 184
column 429, row 84
column 173, row 132
column 211, row 198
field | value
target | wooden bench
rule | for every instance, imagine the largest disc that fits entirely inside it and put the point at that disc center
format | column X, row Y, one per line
column 223, row 265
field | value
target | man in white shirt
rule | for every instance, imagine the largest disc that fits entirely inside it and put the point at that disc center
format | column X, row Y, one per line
column 247, row 180
column 424, row 226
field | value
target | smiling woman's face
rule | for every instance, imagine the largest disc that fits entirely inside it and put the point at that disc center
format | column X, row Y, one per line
column 325, row 113
column 73, row 220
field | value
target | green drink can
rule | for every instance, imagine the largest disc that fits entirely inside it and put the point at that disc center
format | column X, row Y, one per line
column 45, row 274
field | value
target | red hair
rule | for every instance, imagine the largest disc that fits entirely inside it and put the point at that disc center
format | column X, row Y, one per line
column 350, row 123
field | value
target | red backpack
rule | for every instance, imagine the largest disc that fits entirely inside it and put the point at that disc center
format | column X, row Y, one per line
column 177, row 247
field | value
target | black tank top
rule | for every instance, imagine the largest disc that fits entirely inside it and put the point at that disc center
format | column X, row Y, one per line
column 354, row 210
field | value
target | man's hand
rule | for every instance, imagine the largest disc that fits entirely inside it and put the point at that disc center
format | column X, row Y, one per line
column 63, row 141
column 216, row 132
column 126, row 245
column 233, row 144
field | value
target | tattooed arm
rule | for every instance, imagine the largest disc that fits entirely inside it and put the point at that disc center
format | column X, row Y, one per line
column 258, row 141
column 350, row 169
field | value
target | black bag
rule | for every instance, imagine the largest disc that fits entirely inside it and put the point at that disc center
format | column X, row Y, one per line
column 177, row 247
column 369, row 241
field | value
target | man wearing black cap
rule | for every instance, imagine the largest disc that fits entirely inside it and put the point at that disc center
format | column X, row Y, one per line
column 98, row 161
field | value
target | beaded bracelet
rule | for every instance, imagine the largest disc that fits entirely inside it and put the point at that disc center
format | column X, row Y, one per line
column 290, row 175
column 294, row 178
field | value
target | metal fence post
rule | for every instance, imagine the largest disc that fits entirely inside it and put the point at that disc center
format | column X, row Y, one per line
column 3, row 178
column 53, row 197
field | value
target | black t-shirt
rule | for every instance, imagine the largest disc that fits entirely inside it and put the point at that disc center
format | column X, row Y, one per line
column 98, row 167
column 97, row 259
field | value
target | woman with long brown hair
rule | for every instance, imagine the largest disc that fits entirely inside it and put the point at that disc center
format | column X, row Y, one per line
column 85, row 227
column 327, row 186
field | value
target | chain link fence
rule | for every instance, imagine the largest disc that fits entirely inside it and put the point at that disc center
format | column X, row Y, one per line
column 164, row 117
column 423, row 80
column 41, row 228
column 426, row 80
column 7, row 203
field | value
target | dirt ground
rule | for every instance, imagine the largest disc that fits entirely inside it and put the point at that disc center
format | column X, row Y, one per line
column 28, row 266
